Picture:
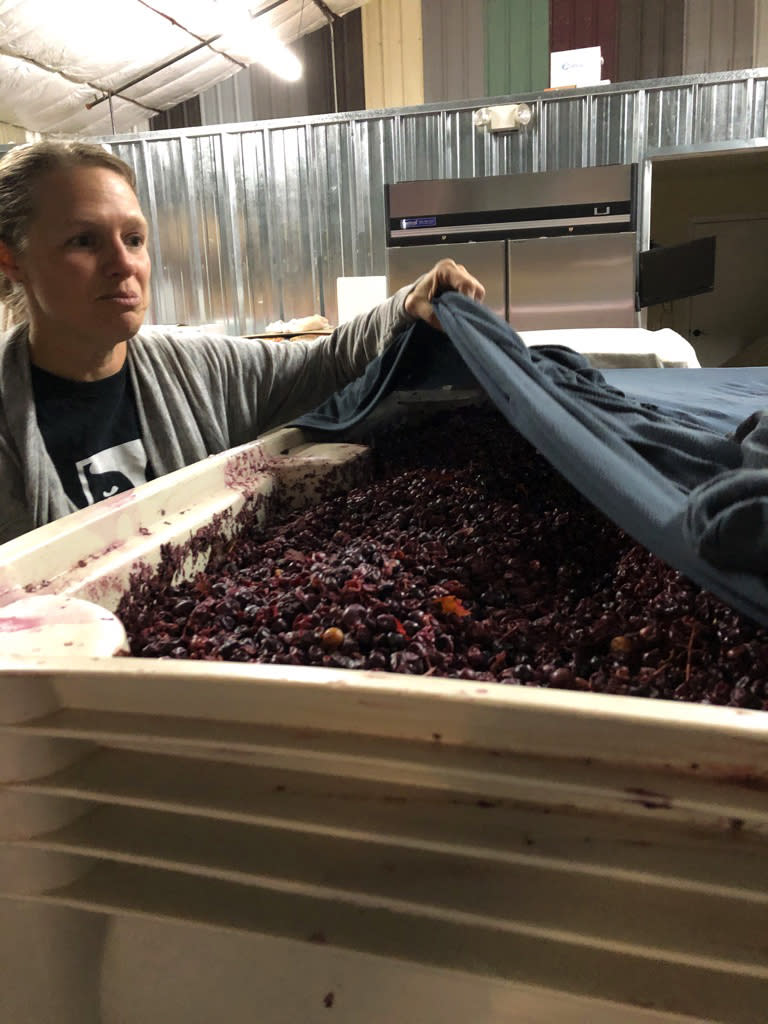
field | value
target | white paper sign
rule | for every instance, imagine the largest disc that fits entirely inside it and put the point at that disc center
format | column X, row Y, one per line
column 359, row 294
column 576, row 67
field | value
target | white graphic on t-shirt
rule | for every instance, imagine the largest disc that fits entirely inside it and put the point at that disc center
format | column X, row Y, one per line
column 113, row 470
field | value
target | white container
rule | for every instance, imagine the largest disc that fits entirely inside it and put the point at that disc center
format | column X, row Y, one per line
column 621, row 347
column 210, row 841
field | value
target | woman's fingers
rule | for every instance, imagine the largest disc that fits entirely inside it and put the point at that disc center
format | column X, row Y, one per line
column 445, row 276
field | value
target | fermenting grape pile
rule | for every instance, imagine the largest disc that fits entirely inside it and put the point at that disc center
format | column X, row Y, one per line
column 465, row 556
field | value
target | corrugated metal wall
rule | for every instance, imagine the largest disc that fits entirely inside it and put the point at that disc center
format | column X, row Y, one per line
column 392, row 53
column 473, row 48
column 254, row 94
column 454, row 49
column 517, row 46
column 650, row 39
column 255, row 222
column 578, row 23
column 719, row 35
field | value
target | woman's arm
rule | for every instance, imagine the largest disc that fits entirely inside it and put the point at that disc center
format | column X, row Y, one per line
column 300, row 375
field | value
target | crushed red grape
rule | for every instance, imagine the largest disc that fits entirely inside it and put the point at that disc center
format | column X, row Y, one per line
column 466, row 555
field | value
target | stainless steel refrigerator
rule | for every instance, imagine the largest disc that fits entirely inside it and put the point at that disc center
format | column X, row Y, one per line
column 554, row 249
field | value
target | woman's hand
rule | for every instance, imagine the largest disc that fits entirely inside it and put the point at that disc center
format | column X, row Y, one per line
column 445, row 276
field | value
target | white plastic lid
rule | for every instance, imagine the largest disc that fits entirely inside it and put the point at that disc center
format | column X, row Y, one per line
column 56, row 625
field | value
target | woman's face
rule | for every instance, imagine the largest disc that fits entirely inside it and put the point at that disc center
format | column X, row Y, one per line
column 85, row 266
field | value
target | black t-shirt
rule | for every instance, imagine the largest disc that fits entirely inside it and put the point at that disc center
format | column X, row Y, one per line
column 92, row 433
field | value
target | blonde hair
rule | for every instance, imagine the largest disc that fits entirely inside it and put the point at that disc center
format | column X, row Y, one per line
column 20, row 172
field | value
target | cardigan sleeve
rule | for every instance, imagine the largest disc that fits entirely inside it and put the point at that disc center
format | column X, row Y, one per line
column 204, row 393
column 293, row 377
column 195, row 396
column 30, row 490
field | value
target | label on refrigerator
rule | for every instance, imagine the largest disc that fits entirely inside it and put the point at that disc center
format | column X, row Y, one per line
column 418, row 222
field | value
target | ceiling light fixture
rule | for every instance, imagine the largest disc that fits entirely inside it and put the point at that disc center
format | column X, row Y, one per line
column 259, row 45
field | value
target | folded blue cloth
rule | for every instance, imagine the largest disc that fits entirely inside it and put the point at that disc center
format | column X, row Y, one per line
column 667, row 474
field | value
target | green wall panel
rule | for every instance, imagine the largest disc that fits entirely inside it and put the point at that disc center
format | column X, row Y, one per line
column 517, row 46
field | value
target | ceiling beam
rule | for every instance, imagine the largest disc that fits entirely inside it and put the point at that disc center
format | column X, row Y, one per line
column 108, row 94
column 68, row 78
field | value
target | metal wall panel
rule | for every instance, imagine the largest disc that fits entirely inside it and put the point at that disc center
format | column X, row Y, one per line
column 392, row 53
column 723, row 111
column 670, row 116
column 578, row 23
column 566, row 132
column 517, row 45
column 254, row 222
column 613, row 126
column 719, row 35
column 229, row 101
column 454, row 49
column 255, row 94
column 650, row 39
column 758, row 129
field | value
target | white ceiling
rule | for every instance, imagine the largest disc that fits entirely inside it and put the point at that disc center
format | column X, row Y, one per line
column 56, row 56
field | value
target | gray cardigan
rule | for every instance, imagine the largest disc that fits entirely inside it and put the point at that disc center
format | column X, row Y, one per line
column 196, row 396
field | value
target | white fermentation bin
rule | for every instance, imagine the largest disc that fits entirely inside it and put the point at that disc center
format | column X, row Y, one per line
column 198, row 842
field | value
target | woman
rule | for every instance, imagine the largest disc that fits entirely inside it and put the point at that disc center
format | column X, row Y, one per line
column 90, row 404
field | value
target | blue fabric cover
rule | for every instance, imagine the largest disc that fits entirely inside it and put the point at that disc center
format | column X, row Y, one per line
column 673, row 457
